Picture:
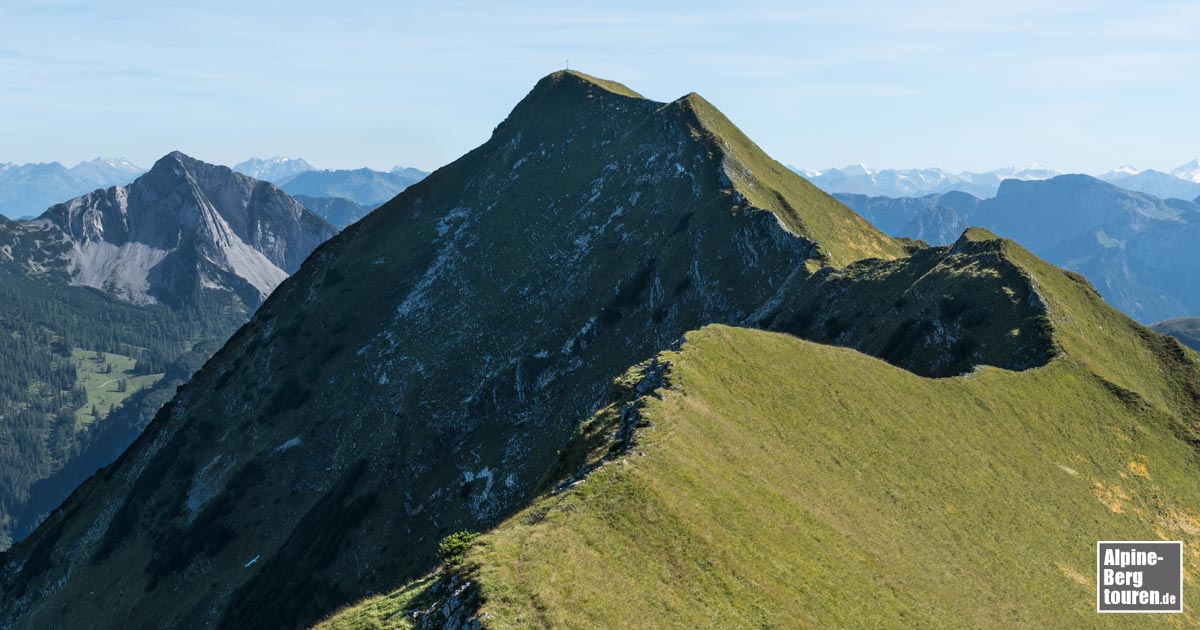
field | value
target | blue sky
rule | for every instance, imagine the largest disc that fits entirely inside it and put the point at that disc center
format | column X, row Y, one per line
column 1081, row 86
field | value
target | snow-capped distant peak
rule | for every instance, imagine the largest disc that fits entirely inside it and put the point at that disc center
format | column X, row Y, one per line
column 1189, row 171
column 114, row 163
column 1124, row 169
column 806, row 172
column 1031, row 172
column 857, row 169
column 274, row 169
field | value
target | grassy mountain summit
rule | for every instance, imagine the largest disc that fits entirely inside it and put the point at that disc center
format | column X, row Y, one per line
column 755, row 180
column 420, row 372
column 438, row 366
column 774, row 482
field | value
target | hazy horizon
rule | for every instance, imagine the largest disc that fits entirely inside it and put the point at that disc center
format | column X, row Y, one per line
column 936, row 84
column 874, row 168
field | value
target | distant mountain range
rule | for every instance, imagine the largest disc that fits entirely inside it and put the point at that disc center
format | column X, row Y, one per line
column 860, row 179
column 363, row 186
column 275, row 170
column 28, row 189
column 1185, row 329
column 1180, row 183
column 1138, row 250
column 1189, row 171
column 338, row 211
column 617, row 367
column 112, row 299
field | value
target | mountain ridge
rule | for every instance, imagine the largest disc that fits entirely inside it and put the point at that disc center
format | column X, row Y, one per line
column 1184, row 329
column 1132, row 245
column 181, row 226
column 275, row 169
column 91, row 359
column 472, row 348
column 28, row 189
column 364, row 186
column 1182, row 182
column 685, row 487
column 442, row 364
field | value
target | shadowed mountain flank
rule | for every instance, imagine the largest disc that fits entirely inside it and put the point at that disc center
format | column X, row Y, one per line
column 423, row 370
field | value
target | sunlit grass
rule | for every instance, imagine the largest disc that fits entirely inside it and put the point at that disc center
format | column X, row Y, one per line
column 101, row 376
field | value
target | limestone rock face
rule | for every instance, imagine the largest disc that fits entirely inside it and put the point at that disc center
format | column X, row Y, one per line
column 184, row 226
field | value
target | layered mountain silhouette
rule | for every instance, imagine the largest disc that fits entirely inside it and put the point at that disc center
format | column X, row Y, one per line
column 275, row 170
column 28, row 189
column 1181, row 183
column 459, row 361
column 1157, row 183
column 1185, row 329
column 420, row 372
column 338, row 211
column 918, row 182
column 363, row 186
column 1136, row 248
column 112, row 300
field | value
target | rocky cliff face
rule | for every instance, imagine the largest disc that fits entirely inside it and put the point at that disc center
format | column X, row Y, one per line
column 186, row 226
column 189, row 249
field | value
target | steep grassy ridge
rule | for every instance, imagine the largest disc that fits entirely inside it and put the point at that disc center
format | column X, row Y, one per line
column 421, row 372
column 842, row 237
column 779, row 483
column 786, row 484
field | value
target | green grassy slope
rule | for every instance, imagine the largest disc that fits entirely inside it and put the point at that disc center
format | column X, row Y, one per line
column 46, row 393
column 781, row 483
column 421, row 371
column 842, row 235
column 788, row 484
column 107, row 381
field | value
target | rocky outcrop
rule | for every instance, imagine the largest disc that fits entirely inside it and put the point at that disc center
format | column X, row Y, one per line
column 182, row 227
